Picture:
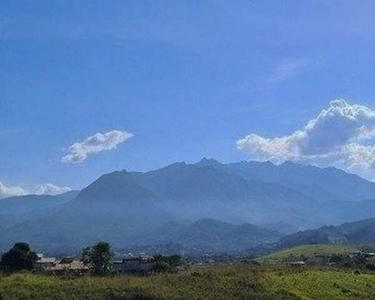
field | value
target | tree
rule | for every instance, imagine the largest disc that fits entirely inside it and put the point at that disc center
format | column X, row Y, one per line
column 85, row 255
column 172, row 260
column 164, row 264
column 20, row 257
column 162, row 267
column 99, row 258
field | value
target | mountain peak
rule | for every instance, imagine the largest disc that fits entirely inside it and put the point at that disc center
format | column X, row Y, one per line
column 289, row 163
column 208, row 162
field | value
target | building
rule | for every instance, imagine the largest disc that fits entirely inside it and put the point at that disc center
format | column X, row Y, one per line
column 134, row 265
column 318, row 260
column 355, row 254
column 45, row 263
column 69, row 265
column 52, row 265
column 298, row 263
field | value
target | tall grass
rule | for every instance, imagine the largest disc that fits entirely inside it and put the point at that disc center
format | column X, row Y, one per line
column 217, row 282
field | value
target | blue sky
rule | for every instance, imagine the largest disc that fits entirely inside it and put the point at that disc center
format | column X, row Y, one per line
column 187, row 78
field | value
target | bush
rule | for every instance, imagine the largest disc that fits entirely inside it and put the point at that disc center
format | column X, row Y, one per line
column 172, row 260
column 336, row 258
column 133, row 295
column 165, row 264
column 162, row 267
column 370, row 267
column 20, row 257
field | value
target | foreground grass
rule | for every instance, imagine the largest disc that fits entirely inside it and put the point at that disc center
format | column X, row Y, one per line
column 218, row 282
column 308, row 283
column 306, row 251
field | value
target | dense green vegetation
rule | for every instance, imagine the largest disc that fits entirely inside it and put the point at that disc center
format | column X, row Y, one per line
column 99, row 258
column 216, row 282
column 306, row 251
column 20, row 257
column 221, row 283
column 354, row 233
column 318, row 284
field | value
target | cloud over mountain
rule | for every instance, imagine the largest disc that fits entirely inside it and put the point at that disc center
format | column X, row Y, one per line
column 78, row 152
column 8, row 191
column 342, row 135
column 50, row 189
column 43, row 189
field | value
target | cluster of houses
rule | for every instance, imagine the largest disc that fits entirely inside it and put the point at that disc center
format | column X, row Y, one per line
column 358, row 257
column 58, row 266
column 362, row 256
column 138, row 264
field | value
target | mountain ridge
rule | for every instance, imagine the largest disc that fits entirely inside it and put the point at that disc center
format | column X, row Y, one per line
column 126, row 208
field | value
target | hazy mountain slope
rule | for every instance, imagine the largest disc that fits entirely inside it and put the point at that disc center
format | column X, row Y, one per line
column 215, row 236
column 207, row 236
column 348, row 211
column 134, row 208
column 74, row 229
column 29, row 203
column 6, row 222
column 359, row 232
column 207, row 190
column 323, row 184
column 120, row 209
column 119, row 193
column 113, row 208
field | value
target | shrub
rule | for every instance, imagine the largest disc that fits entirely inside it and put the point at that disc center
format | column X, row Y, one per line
column 370, row 267
column 20, row 257
column 162, row 267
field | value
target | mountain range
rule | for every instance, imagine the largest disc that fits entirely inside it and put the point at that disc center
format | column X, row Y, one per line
column 207, row 206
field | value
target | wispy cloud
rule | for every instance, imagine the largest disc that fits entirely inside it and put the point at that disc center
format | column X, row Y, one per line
column 78, row 152
column 287, row 70
column 281, row 72
column 343, row 135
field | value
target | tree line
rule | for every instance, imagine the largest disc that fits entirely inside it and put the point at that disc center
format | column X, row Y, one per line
column 98, row 258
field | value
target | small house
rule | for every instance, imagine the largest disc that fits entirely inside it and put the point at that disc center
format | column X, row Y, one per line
column 297, row 263
column 44, row 263
column 69, row 265
column 134, row 265
column 320, row 260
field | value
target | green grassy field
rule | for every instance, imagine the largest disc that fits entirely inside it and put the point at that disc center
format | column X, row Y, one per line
column 321, row 284
column 305, row 251
column 211, row 283
column 216, row 282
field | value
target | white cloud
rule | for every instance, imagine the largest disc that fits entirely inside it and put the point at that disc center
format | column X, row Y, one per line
column 343, row 135
column 50, row 189
column 43, row 189
column 78, row 152
column 8, row 191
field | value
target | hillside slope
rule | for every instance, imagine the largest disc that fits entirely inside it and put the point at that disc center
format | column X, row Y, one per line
column 353, row 233
column 29, row 203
